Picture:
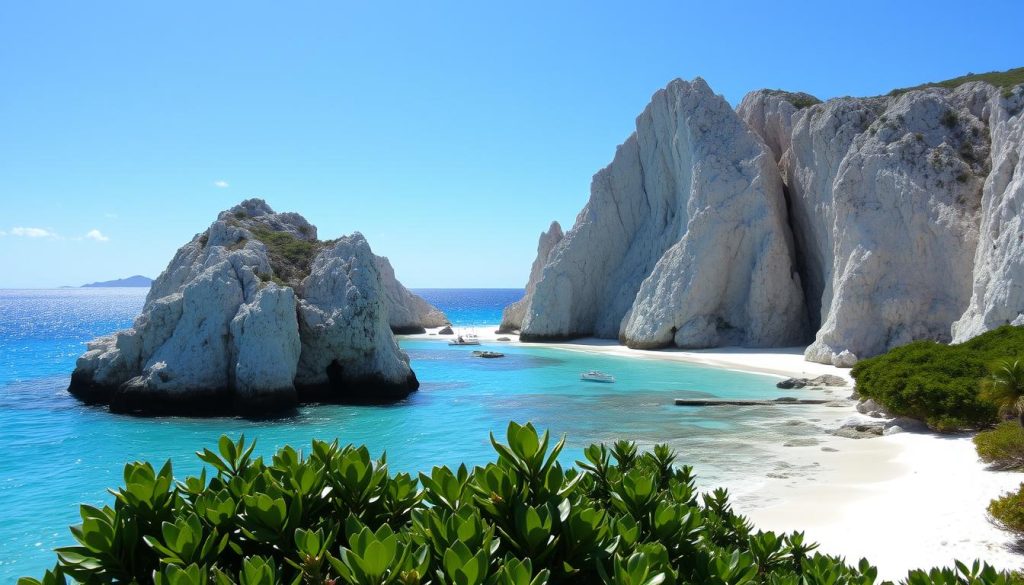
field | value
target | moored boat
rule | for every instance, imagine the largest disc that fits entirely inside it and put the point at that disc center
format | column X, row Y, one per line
column 596, row 376
column 468, row 339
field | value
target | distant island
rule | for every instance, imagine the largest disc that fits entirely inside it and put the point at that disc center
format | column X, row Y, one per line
column 137, row 280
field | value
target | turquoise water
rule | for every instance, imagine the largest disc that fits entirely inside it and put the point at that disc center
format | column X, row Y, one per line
column 58, row 452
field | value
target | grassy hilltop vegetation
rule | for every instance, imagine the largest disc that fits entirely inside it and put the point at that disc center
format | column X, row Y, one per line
column 1003, row 79
column 338, row 516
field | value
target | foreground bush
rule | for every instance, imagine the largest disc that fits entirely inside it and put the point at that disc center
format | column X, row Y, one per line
column 1007, row 511
column 1003, row 446
column 937, row 383
column 337, row 516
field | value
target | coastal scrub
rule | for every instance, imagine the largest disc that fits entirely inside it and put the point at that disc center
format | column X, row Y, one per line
column 938, row 383
column 336, row 515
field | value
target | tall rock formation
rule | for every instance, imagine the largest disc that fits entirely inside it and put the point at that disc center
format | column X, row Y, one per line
column 253, row 315
column 885, row 204
column 997, row 296
column 512, row 316
column 901, row 214
column 684, row 241
column 407, row 311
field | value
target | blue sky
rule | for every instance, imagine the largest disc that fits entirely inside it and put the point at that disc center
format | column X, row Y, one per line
column 449, row 133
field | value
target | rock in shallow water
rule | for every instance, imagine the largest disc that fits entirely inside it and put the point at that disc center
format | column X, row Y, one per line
column 253, row 316
column 824, row 380
column 860, row 430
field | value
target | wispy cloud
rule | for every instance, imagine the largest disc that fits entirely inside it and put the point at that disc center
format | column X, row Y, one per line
column 96, row 235
column 221, row 184
column 32, row 232
column 109, row 215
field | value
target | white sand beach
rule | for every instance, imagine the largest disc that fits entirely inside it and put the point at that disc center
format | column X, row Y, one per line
column 903, row 501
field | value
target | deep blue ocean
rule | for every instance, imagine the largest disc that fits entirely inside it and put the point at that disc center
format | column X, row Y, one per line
column 471, row 306
column 58, row 453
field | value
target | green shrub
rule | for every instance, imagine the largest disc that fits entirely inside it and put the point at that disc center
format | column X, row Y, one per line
column 335, row 515
column 939, row 383
column 1003, row 446
column 1004, row 79
column 1007, row 511
column 802, row 100
column 289, row 256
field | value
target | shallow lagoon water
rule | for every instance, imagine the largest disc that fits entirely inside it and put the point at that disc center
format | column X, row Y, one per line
column 58, row 453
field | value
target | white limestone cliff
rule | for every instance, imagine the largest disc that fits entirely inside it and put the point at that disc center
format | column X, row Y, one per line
column 253, row 315
column 900, row 214
column 684, row 240
column 998, row 285
column 884, row 195
column 407, row 311
column 512, row 316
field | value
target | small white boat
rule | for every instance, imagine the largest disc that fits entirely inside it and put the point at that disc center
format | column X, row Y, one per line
column 469, row 339
column 596, row 376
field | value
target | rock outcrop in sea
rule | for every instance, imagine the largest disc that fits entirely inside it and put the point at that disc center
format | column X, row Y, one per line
column 854, row 225
column 254, row 315
column 407, row 311
column 512, row 316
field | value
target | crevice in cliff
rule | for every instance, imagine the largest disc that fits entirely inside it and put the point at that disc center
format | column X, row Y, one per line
column 812, row 316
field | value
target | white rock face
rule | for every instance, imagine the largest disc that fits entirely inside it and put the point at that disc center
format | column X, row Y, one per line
column 770, row 114
column 512, row 316
column 347, row 345
column 684, row 240
column 904, row 212
column 407, row 312
column 266, row 346
column 997, row 296
column 217, row 333
column 885, row 196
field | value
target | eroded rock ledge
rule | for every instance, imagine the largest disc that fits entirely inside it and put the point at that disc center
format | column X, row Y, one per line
column 254, row 316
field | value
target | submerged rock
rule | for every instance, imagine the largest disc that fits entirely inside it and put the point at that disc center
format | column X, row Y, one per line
column 254, row 315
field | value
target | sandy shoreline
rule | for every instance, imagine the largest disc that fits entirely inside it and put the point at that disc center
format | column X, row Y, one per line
column 903, row 501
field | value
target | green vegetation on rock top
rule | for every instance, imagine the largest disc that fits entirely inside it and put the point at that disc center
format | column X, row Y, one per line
column 1008, row 78
column 335, row 515
column 799, row 100
column 290, row 257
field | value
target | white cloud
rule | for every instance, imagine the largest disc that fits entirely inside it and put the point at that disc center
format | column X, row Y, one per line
column 96, row 235
column 32, row 232
column 2, row 233
column 221, row 184
column 109, row 215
